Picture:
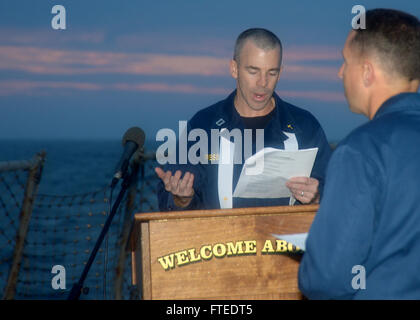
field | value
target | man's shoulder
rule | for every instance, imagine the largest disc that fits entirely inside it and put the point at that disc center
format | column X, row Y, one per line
column 384, row 128
column 373, row 131
column 366, row 137
column 207, row 117
column 301, row 115
column 300, row 118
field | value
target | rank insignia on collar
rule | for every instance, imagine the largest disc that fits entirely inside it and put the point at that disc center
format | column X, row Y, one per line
column 220, row 122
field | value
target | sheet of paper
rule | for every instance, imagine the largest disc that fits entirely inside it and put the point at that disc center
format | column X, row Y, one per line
column 264, row 175
column 297, row 239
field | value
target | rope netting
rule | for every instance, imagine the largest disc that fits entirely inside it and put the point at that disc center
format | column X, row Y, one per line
column 12, row 190
column 63, row 230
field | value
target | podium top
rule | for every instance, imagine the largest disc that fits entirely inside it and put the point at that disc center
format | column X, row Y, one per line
column 150, row 216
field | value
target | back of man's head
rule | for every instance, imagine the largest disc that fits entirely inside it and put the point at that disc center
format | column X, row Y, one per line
column 394, row 38
column 262, row 38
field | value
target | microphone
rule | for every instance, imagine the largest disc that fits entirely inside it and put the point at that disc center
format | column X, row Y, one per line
column 133, row 139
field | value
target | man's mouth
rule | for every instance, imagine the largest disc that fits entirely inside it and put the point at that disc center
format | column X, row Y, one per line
column 260, row 97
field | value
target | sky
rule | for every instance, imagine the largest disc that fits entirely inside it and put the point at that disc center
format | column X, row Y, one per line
column 151, row 64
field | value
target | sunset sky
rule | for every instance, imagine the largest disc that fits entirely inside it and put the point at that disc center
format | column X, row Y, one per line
column 152, row 63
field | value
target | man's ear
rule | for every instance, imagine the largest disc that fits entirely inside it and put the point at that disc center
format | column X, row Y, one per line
column 280, row 72
column 369, row 75
column 233, row 69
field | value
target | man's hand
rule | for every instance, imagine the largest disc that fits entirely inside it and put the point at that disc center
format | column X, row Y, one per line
column 304, row 189
column 181, row 189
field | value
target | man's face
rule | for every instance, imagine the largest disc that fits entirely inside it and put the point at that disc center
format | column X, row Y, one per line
column 351, row 72
column 256, row 77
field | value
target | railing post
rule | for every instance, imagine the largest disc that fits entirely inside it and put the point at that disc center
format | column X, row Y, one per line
column 31, row 190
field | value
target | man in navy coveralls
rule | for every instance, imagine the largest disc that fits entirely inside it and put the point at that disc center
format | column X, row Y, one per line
column 364, row 242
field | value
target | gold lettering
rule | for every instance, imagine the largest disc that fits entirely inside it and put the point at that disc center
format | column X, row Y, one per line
column 234, row 249
column 219, row 250
column 250, row 246
column 167, row 261
column 182, row 258
column 193, row 257
column 203, row 254
column 219, row 253
column 281, row 246
column 268, row 247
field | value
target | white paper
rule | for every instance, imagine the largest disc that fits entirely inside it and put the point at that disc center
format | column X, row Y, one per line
column 297, row 239
column 274, row 168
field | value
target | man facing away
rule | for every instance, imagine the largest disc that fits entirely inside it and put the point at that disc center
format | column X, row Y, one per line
column 364, row 242
column 254, row 105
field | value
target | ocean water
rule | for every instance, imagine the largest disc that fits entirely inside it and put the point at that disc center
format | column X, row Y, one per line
column 65, row 223
column 70, row 166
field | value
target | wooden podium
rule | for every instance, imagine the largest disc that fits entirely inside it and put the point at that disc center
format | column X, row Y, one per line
column 218, row 254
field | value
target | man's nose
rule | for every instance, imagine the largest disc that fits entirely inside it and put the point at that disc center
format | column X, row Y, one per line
column 262, row 81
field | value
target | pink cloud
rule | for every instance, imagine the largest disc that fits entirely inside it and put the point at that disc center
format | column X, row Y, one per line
column 325, row 96
column 33, row 87
column 33, row 51
column 72, row 62
column 170, row 88
column 40, row 37
column 192, row 43
column 50, row 87
column 304, row 72
column 176, row 43
column 312, row 53
column 76, row 62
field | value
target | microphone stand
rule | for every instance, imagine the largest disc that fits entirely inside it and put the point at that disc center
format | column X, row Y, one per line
column 77, row 287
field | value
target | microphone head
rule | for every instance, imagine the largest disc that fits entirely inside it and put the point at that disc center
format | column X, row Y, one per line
column 136, row 135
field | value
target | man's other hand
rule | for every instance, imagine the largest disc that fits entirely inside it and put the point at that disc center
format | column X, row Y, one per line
column 181, row 189
column 304, row 189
